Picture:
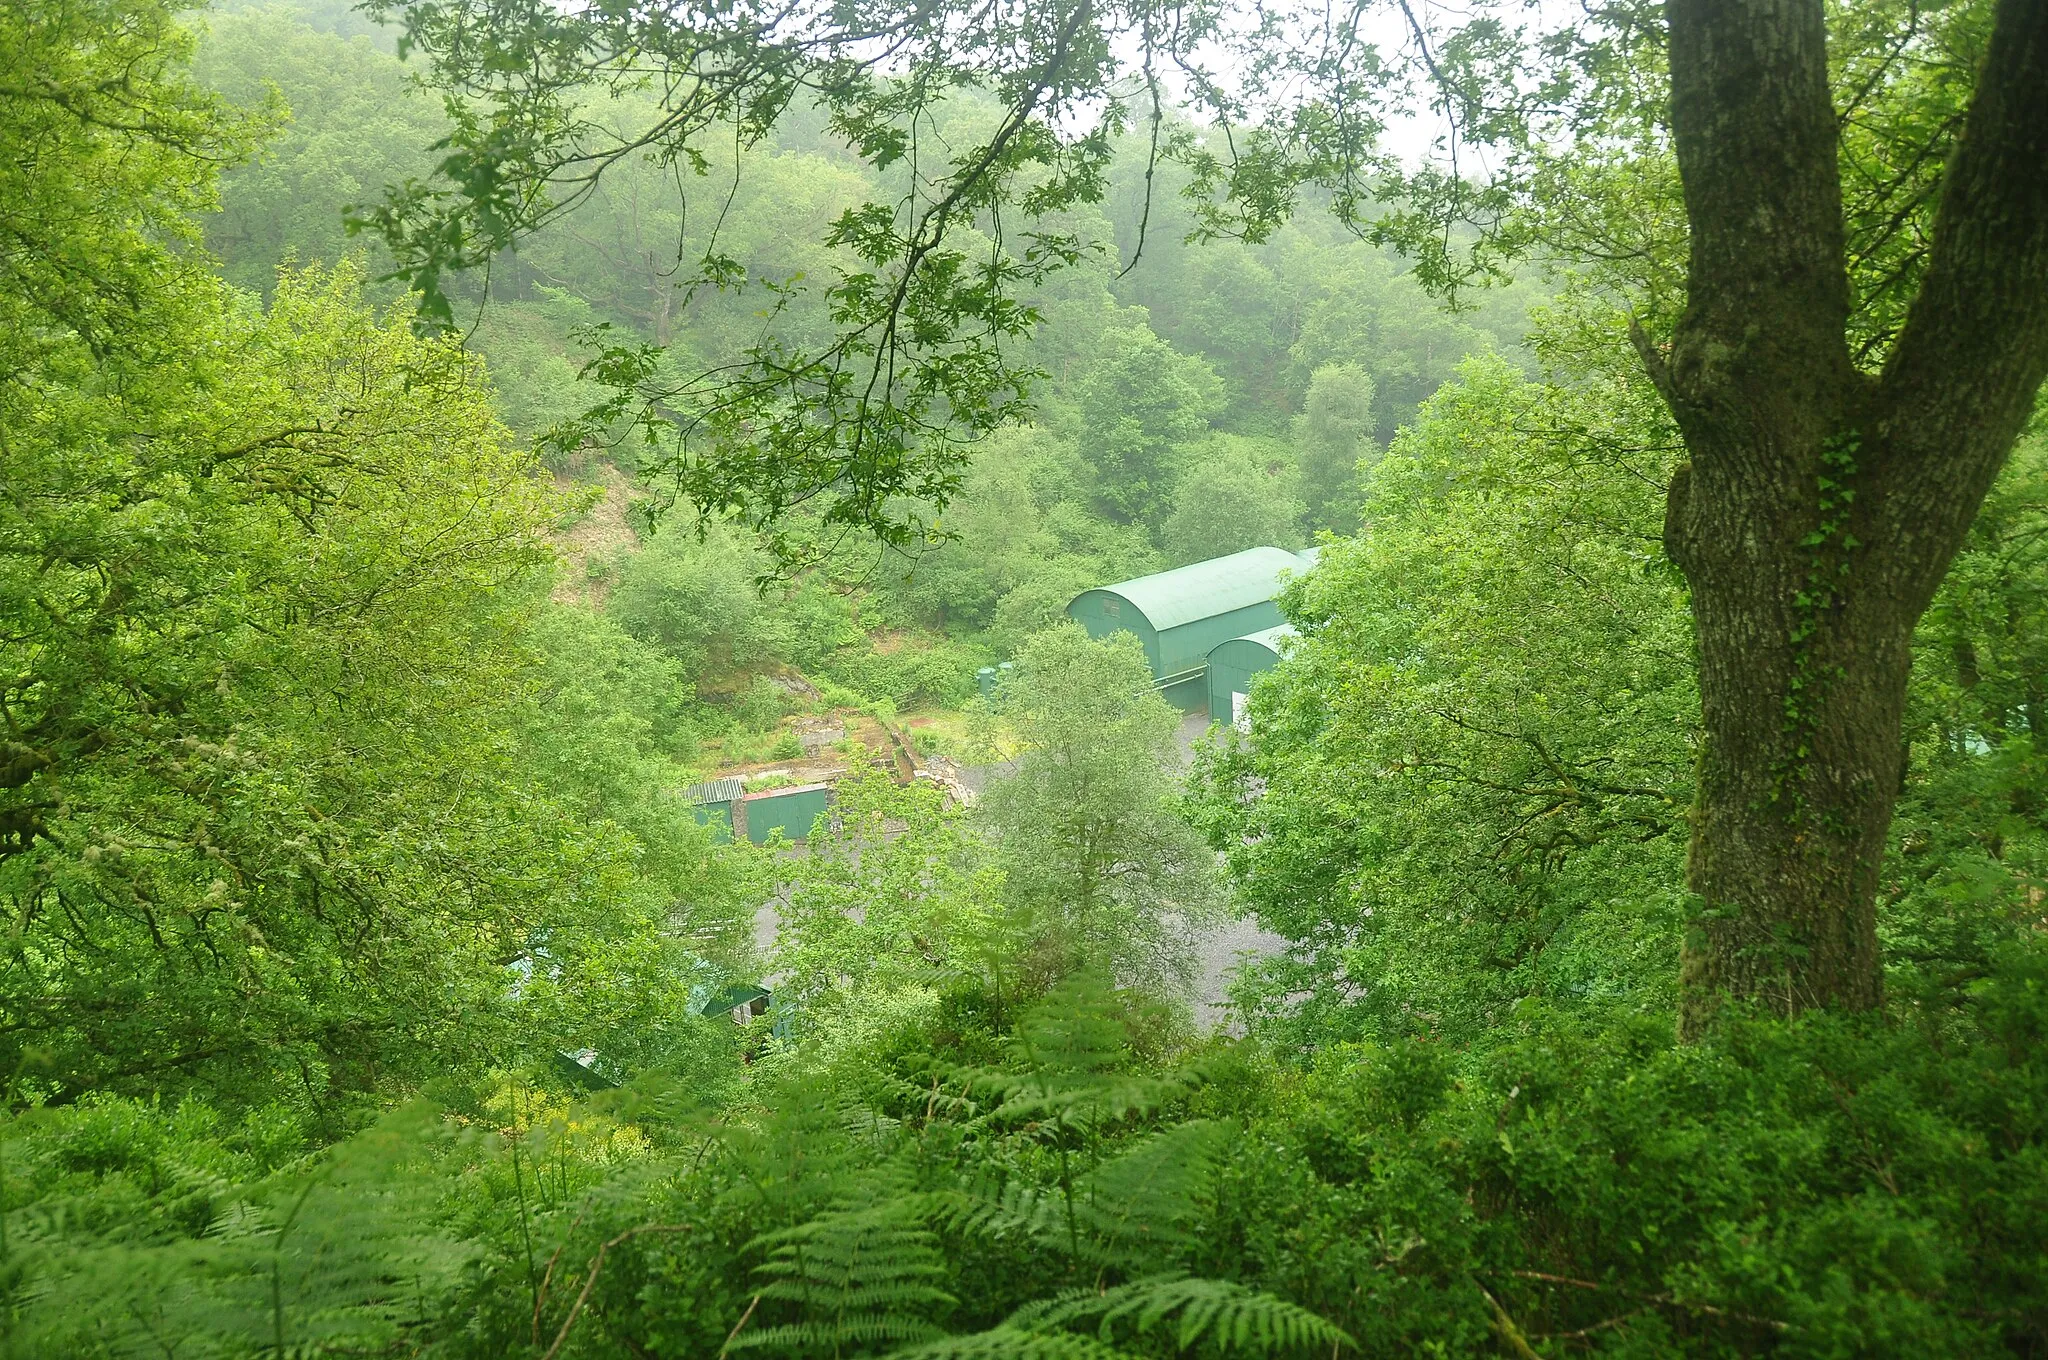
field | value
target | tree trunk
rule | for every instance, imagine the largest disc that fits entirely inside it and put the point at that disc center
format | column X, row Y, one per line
column 1821, row 504
column 1804, row 657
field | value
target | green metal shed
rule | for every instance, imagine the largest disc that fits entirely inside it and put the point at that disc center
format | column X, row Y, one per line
column 711, row 803
column 1232, row 665
column 734, row 995
column 1181, row 614
column 792, row 811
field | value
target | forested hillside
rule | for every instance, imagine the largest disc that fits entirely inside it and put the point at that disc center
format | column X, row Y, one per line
column 445, row 441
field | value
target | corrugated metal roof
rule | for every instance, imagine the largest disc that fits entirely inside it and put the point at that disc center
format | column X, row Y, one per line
column 724, row 790
column 1269, row 638
column 1204, row 589
column 732, row 996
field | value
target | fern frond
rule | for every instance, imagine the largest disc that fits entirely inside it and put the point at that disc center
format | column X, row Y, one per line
column 1135, row 1209
column 1233, row 1318
column 1007, row 1343
column 1071, row 1068
column 1019, row 1209
column 339, row 1253
column 1144, row 1199
column 858, row 1275
column 832, row 1337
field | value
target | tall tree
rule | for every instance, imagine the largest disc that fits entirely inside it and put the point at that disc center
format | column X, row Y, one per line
column 285, row 781
column 1467, row 783
column 1235, row 493
column 1098, row 869
column 1333, row 431
column 1822, row 503
column 1839, row 217
column 1138, row 405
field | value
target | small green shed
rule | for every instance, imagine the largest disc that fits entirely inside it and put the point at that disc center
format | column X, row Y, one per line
column 711, row 803
column 792, row 811
column 729, row 998
column 1232, row 665
column 1181, row 614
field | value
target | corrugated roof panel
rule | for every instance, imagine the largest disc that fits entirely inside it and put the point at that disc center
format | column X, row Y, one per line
column 1202, row 590
column 725, row 790
column 1269, row 638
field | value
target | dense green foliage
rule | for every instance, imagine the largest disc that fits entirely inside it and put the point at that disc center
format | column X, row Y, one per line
column 1047, row 1183
column 358, row 938
column 275, row 692
column 282, row 693
column 1505, row 655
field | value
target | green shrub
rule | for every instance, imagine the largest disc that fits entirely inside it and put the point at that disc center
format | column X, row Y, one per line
column 1016, row 1177
column 1830, row 1186
column 941, row 674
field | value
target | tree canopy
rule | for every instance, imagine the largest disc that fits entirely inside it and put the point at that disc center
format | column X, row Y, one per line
column 409, row 635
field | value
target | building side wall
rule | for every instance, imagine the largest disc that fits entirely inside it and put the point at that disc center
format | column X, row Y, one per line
column 792, row 813
column 717, row 816
column 1103, row 613
column 1232, row 666
column 1189, row 696
column 1188, row 646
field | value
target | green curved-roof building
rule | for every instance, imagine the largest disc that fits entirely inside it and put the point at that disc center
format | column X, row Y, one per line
column 1181, row 615
column 1232, row 665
